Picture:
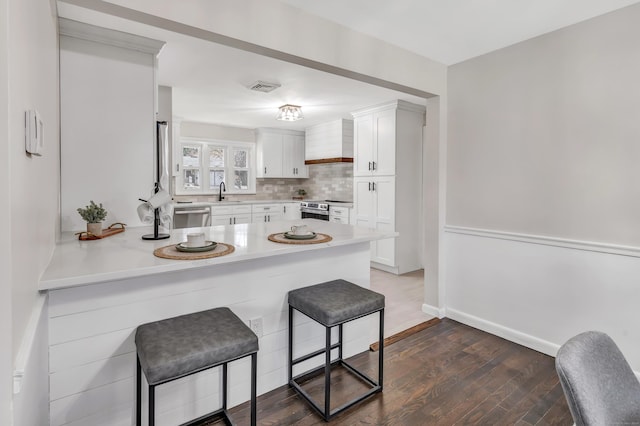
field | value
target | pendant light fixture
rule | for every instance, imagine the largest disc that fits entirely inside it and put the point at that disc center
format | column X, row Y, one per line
column 289, row 112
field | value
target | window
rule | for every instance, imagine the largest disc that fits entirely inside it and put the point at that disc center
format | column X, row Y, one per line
column 202, row 165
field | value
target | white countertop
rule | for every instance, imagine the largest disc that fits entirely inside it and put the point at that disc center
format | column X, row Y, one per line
column 126, row 255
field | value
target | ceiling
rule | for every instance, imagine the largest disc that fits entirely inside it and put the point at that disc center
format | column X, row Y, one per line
column 451, row 31
column 210, row 81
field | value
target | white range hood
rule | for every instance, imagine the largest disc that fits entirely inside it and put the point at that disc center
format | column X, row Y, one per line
column 330, row 142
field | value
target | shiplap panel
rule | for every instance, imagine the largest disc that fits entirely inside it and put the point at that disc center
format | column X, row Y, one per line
column 91, row 332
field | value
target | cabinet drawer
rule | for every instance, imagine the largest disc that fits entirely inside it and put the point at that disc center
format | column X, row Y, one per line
column 339, row 211
column 338, row 219
column 267, row 208
column 230, row 209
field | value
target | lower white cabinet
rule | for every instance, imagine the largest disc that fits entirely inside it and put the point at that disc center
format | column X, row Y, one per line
column 339, row 214
column 374, row 207
column 267, row 213
column 230, row 214
column 292, row 211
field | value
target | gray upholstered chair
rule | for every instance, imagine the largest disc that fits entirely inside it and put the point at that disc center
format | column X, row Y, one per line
column 600, row 387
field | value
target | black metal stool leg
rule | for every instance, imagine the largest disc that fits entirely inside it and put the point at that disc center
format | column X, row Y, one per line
column 327, row 375
column 152, row 405
column 254, row 374
column 381, row 350
column 340, row 341
column 138, row 392
column 224, row 386
column 290, row 344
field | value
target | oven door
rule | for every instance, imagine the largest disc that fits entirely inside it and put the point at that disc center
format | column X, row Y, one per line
column 314, row 214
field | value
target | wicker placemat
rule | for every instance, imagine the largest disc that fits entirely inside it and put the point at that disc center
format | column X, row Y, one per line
column 280, row 238
column 170, row 252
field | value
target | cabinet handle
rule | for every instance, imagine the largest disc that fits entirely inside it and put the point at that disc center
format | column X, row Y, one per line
column 234, row 220
column 369, row 186
column 177, row 167
column 369, row 165
column 230, row 222
column 285, row 209
column 265, row 170
column 374, row 165
column 374, row 186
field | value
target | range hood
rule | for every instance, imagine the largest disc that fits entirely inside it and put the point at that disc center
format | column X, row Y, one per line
column 330, row 142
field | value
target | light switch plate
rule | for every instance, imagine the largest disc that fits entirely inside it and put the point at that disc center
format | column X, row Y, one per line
column 33, row 135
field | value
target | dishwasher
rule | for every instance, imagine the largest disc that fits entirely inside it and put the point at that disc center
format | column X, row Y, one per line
column 186, row 216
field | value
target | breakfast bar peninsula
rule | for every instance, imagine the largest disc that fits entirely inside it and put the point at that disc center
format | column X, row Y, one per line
column 100, row 291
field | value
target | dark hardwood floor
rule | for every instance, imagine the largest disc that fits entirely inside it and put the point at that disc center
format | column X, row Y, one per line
column 446, row 374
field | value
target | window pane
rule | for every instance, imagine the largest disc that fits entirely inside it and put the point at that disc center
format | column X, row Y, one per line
column 241, row 179
column 240, row 158
column 216, row 157
column 215, row 177
column 190, row 156
column 191, row 178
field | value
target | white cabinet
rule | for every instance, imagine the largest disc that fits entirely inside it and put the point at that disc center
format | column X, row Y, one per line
column 230, row 214
column 339, row 214
column 387, row 190
column 374, row 206
column 267, row 212
column 375, row 143
column 280, row 154
column 292, row 211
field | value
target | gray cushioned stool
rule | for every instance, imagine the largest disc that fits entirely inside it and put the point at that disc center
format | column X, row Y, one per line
column 332, row 304
column 177, row 347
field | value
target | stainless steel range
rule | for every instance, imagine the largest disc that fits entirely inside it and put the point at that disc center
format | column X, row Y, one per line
column 317, row 209
column 314, row 210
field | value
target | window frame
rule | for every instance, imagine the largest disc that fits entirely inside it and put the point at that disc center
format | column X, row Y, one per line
column 205, row 145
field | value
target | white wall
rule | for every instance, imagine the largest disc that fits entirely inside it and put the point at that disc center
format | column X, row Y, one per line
column 543, row 135
column 28, row 80
column 213, row 131
column 6, row 355
column 275, row 25
column 107, row 130
column 543, row 142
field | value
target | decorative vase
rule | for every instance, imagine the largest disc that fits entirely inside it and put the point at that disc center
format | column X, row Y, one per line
column 95, row 228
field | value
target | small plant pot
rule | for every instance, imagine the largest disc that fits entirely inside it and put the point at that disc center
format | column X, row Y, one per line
column 95, row 228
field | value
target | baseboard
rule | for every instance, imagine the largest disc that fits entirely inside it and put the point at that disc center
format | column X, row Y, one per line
column 433, row 310
column 507, row 333
column 385, row 268
column 406, row 333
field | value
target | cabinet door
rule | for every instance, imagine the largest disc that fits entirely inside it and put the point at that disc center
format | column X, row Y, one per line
column 293, row 157
column 221, row 220
column 384, row 147
column 384, row 207
column 363, row 145
column 292, row 211
column 363, row 207
column 275, row 216
column 242, row 218
column 269, row 155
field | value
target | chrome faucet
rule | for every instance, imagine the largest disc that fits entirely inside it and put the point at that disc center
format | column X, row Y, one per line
column 223, row 187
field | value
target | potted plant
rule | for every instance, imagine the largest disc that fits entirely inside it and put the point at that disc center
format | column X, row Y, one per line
column 93, row 214
column 301, row 193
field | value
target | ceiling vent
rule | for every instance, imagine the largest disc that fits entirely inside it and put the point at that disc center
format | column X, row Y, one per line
column 263, row 86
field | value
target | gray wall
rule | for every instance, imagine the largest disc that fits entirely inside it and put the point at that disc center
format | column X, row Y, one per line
column 544, row 135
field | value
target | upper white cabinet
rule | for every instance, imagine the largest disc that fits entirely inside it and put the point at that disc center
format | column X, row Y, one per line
column 388, row 181
column 375, row 143
column 332, row 141
column 280, row 154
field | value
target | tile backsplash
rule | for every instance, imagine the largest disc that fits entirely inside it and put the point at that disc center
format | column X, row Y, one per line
column 330, row 181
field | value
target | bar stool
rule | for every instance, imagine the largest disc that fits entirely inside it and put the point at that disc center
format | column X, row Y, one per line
column 177, row 347
column 331, row 304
